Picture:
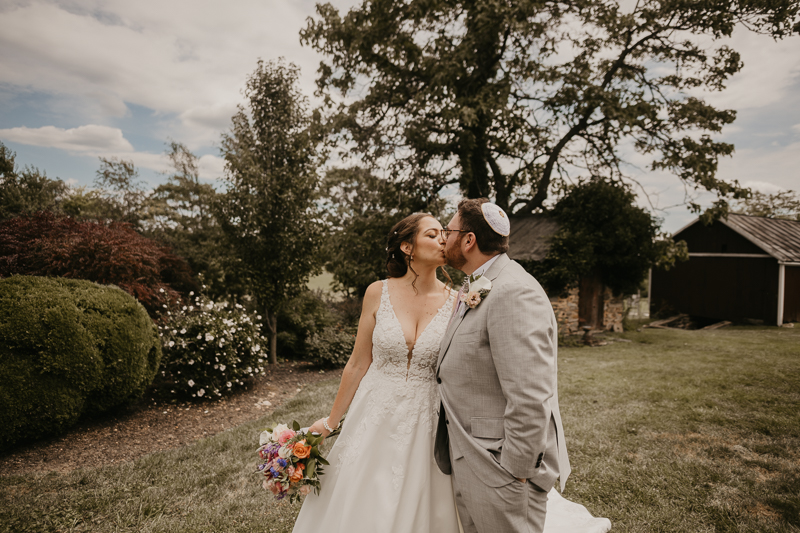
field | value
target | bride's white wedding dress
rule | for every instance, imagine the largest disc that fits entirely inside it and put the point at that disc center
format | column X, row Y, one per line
column 382, row 475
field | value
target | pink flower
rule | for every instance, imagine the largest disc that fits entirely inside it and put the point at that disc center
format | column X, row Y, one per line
column 284, row 437
column 273, row 486
column 289, row 471
column 305, row 490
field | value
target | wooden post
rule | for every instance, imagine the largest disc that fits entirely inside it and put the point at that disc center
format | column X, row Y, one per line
column 781, row 291
column 649, row 292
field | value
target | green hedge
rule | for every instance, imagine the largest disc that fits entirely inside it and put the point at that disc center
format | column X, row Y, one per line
column 68, row 348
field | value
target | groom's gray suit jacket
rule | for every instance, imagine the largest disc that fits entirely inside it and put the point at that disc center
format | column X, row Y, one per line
column 497, row 377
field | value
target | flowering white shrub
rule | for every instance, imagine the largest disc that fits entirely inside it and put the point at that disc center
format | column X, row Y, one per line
column 209, row 349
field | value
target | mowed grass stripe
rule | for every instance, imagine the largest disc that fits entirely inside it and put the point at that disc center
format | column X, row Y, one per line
column 675, row 431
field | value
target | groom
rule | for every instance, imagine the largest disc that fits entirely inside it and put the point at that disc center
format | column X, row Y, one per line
column 499, row 432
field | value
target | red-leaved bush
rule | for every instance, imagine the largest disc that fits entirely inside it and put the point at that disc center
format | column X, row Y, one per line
column 44, row 244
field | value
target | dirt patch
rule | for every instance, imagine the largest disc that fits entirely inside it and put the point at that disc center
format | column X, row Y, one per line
column 154, row 425
column 764, row 512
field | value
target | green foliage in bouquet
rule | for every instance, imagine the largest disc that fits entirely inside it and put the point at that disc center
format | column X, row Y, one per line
column 67, row 348
column 332, row 346
column 210, row 349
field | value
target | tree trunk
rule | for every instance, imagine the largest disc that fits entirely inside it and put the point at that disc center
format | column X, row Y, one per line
column 272, row 326
column 590, row 301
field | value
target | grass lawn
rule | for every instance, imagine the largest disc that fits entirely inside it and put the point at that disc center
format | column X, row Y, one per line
column 675, row 431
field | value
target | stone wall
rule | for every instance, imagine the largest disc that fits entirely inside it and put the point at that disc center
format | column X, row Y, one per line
column 613, row 311
column 566, row 311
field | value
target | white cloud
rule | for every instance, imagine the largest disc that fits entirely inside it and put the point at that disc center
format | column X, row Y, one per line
column 770, row 69
column 211, row 167
column 174, row 58
column 777, row 167
column 88, row 139
column 762, row 186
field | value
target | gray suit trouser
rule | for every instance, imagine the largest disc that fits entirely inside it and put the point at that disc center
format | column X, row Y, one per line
column 513, row 508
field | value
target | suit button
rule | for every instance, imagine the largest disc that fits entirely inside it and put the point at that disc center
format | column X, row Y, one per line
column 446, row 421
column 438, row 380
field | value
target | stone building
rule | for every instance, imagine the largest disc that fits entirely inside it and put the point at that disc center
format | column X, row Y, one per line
column 590, row 304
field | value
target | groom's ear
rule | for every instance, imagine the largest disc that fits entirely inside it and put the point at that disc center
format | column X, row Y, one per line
column 469, row 242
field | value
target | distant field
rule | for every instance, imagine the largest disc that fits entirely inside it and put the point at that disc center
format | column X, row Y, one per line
column 321, row 282
column 672, row 432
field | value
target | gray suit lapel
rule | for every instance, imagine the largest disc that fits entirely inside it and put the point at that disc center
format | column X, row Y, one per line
column 494, row 271
column 448, row 337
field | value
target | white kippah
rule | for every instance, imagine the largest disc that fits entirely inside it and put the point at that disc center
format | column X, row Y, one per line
column 496, row 218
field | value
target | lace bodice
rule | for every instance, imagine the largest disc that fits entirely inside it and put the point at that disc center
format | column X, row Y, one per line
column 389, row 349
column 395, row 388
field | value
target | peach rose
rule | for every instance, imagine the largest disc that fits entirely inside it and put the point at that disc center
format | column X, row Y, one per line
column 301, row 450
column 296, row 476
column 305, row 490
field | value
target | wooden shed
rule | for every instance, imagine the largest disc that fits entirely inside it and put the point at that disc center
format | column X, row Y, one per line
column 590, row 304
column 740, row 267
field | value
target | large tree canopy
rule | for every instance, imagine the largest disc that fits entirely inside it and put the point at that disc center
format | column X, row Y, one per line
column 508, row 98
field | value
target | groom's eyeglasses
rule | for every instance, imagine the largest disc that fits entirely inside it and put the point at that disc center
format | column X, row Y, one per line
column 446, row 232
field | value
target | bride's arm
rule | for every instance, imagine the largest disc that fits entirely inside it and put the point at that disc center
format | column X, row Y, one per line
column 359, row 361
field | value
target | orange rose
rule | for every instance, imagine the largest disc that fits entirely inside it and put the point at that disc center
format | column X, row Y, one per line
column 301, row 450
column 297, row 476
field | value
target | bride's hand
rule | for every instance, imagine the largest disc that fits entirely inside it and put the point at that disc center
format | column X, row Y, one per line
column 318, row 427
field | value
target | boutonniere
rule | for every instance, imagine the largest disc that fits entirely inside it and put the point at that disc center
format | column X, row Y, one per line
column 477, row 289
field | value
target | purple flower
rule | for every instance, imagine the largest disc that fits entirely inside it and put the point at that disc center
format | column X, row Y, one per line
column 275, row 473
column 282, row 462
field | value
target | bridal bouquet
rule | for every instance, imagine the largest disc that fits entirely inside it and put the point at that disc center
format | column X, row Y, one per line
column 291, row 461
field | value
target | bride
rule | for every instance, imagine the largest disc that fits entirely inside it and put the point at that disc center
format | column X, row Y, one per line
column 382, row 475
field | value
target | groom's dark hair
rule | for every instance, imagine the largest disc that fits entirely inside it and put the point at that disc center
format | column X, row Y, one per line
column 472, row 220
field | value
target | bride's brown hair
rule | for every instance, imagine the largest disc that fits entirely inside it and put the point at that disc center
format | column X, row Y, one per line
column 397, row 261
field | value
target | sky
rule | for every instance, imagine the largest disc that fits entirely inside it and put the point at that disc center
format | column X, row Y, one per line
column 82, row 79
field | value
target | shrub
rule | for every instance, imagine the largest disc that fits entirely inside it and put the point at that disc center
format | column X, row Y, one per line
column 209, row 349
column 332, row 346
column 299, row 318
column 44, row 244
column 68, row 347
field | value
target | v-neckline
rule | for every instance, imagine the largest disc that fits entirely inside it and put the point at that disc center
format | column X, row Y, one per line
column 400, row 325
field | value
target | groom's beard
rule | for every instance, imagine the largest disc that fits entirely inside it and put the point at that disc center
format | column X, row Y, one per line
column 454, row 256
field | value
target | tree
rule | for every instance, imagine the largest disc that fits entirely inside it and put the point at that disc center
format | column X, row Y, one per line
column 268, row 211
column 604, row 236
column 46, row 244
column 28, row 190
column 508, row 99
column 361, row 209
column 783, row 204
column 118, row 195
column 180, row 214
